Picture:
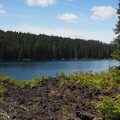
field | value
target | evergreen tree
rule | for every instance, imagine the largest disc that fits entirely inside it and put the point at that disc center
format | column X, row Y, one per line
column 17, row 45
column 116, row 54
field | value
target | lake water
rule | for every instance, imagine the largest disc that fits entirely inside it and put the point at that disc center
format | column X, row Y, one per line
column 28, row 69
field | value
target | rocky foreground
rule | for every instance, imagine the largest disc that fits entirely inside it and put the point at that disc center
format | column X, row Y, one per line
column 51, row 101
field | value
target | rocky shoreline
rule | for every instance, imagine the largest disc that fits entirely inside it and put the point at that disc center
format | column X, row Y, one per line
column 51, row 101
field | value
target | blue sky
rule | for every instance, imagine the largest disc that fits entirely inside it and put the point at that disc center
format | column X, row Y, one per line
column 86, row 19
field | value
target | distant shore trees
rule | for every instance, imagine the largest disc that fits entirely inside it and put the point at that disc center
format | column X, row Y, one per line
column 19, row 46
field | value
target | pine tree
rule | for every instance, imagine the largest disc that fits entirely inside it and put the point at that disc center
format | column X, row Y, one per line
column 116, row 54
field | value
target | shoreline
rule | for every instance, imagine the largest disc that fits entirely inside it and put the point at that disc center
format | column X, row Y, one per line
column 60, row 98
column 32, row 60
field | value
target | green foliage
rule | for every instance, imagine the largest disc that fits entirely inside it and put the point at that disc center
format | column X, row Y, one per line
column 19, row 83
column 1, row 101
column 2, row 88
column 26, row 46
column 32, row 83
column 100, row 81
column 63, row 82
column 62, row 74
column 6, row 79
column 117, row 78
column 64, row 112
column 109, row 108
column 116, row 54
column 36, row 81
column 40, row 78
column 2, row 91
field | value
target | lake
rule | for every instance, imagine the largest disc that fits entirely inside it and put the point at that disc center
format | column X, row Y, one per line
column 26, row 70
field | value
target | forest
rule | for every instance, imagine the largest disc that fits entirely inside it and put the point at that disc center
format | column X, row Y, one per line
column 20, row 46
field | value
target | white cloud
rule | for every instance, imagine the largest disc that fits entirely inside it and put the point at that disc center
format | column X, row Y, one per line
column 2, row 11
column 42, row 3
column 67, row 17
column 102, row 12
column 104, row 36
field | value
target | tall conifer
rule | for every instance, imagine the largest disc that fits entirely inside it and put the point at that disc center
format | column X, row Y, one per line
column 116, row 54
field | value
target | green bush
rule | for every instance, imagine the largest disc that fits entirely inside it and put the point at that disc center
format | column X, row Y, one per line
column 62, row 74
column 36, row 81
column 109, row 108
column 117, row 75
column 64, row 112
column 19, row 83
column 2, row 91
column 101, row 80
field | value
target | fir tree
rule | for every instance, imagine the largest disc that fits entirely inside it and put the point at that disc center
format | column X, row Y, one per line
column 116, row 54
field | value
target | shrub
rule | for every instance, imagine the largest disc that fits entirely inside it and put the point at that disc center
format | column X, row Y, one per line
column 109, row 108
column 64, row 112
column 36, row 81
column 6, row 79
column 117, row 75
column 62, row 74
column 102, row 80
column 2, row 91
column 19, row 83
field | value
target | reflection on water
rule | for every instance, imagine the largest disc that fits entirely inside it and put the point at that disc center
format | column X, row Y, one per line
column 27, row 70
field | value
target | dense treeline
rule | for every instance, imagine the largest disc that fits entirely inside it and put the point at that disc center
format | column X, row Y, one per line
column 19, row 46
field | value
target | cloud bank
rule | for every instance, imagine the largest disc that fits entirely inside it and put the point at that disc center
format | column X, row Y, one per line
column 42, row 3
column 102, row 12
column 68, row 17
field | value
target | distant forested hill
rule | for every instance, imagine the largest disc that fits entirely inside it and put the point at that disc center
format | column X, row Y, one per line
column 19, row 46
